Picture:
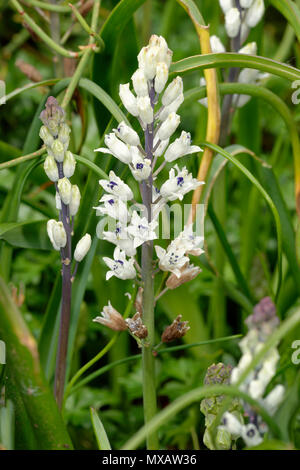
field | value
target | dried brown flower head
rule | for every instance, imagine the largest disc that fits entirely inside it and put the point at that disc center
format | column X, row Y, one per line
column 187, row 273
column 176, row 330
column 136, row 326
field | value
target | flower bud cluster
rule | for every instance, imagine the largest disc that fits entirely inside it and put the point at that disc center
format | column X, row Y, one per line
column 239, row 21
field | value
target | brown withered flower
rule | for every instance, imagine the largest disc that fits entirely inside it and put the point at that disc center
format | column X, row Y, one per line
column 136, row 326
column 111, row 318
column 176, row 330
column 188, row 272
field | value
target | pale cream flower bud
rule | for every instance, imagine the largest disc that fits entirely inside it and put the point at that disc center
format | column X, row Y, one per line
column 57, row 234
column 46, row 136
column 168, row 127
column 145, row 109
column 58, row 150
column 173, row 90
column 50, row 168
column 65, row 190
column 171, row 108
column 216, row 44
column 147, row 60
column 128, row 99
column 161, row 77
column 250, row 48
column 82, row 247
column 233, row 22
column 50, row 225
column 64, row 134
column 69, row 164
column 75, row 200
column 226, row 5
column 139, row 82
column 246, row 3
column 255, row 13
column 127, row 134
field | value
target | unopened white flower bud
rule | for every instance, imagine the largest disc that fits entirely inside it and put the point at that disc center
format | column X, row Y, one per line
column 145, row 109
column 161, row 147
column 128, row 99
column 75, row 200
column 250, row 48
column 163, row 54
column 161, row 76
column 58, row 150
column 226, row 5
column 173, row 90
column 246, row 3
column 57, row 201
column 233, row 22
column 127, row 134
column 147, row 60
column 69, row 164
column 216, row 44
column 50, row 224
column 64, row 188
column 64, row 134
column 172, row 108
column 118, row 148
column 255, row 13
column 57, row 234
column 82, row 247
column 50, row 168
column 168, row 127
column 139, row 82
column 46, row 136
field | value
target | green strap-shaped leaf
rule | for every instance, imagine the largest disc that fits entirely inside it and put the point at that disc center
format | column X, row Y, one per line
column 100, row 433
column 291, row 12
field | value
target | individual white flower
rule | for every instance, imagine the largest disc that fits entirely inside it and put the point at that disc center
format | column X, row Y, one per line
column 164, row 54
column 114, row 185
column 57, row 234
column 120, row 266
column 216, row 44
column 65, row 190
column 174, row 89
column 141, row 230
column 111, row 318
column 189, row 241
column 140, row 167
column 82, row 247
column 46, row 136
column 64, row 134
column 171, row 259
column 178, row 184
column 121, row 238
column 113, row 207
column 246, row 3
column 116, row 147
column 226, row 5
column 251, row 435
column 180, row 147
column 69, row 164
column 232, row 424
column 127, row 134
column 58, row 150
column 163, row 144
column 140, row 83
column 75, row 200
column 272, row 401
column 161, row 76
column 128, row 99
column 250, row 48
column 168, row 127
column 232, row 22
column 145, row 109
column 255, row 13
column 147, row 59
column 171, row 108
column 50, row 168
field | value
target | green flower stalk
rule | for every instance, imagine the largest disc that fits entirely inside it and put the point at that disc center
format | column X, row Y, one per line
column 59, row 166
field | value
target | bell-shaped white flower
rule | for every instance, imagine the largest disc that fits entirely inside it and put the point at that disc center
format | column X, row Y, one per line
column 46, row 136
column 216, row 44
column 161, row 76
column 145, row 109
column 140, row 167
column 120, row 266
column 255, row 13
column 189, row 241
column 250, row 48
column 233, row 22
column 141, row 230
column 161, row 147
column 57, row 234
column 113, row 207
column 50, row 168
column 168, row 127
column 128, row 99
column 82, row 247
column 174, row 89
column 226, row 5
column 140, row 83
column 75, row 200
column 121, row 238
column 114, row 185
column 127, row 134
column 116, row 147
column 178, row 184
column 172, row 259
column 58, row 150
column 180, row 147
column 171, row 108
column 65, row 190
column 69, row 164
